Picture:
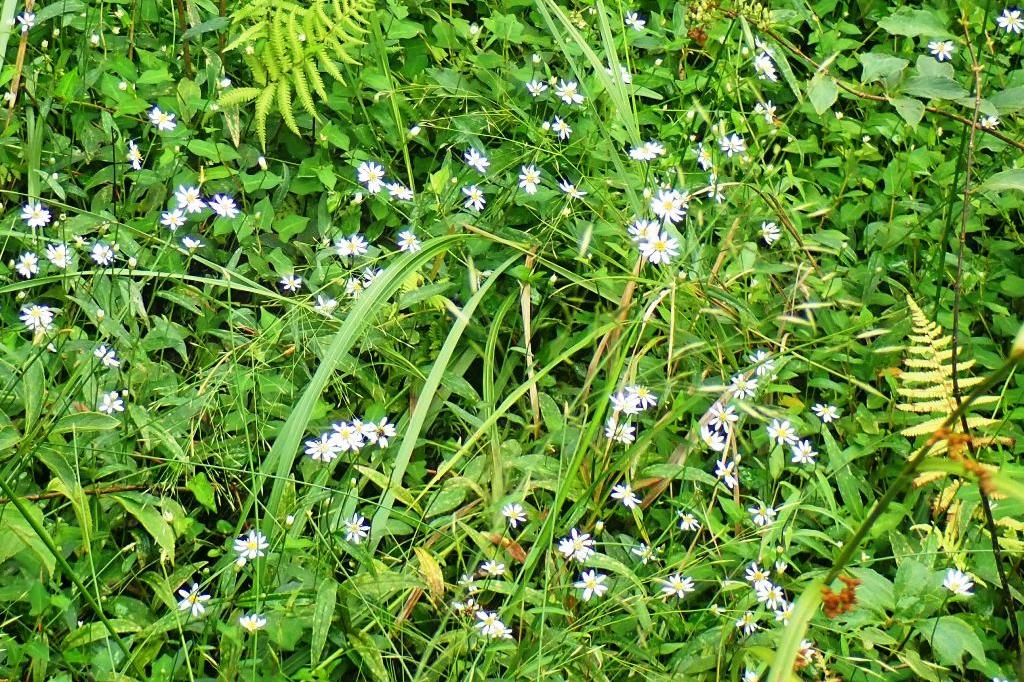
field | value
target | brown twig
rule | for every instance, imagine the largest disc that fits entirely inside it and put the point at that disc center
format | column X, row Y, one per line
column 525, row 307
column 885, row 98
column 19, row 66
column 990, row 525
column 109, row 490
column 184, row 43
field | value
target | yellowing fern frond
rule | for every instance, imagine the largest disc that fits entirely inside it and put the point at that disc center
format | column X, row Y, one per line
column 928, row 388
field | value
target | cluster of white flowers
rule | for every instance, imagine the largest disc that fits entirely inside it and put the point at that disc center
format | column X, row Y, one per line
column 490, row 625
column 371, row 175
column 764, row 62
column 247, row 547
column 350, row 437
column 631, row 400
column 648, row 151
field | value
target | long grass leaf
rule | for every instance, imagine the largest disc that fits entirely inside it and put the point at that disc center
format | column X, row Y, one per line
column 281, row 458
column 424, row 400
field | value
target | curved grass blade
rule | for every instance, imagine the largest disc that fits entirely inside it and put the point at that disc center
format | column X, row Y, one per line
column 789, row 647
column 282, row 454
column 423, row 401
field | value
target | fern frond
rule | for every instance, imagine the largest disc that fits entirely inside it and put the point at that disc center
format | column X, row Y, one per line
column 327, row 65
column 277, row 37
column 302, row 92
column 295, row 38
column 284, row 105
column 315, row 80
column 259, row 72
column 263, row 104
column 927, row 389
column 289, row 45
column 238, row 96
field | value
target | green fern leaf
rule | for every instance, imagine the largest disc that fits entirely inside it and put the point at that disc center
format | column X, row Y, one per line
column 284, row 105
column 278, row 33
column 263, row 105
column 238, row 96
column 327, row 65
column 288, row 46
column 302, row 92
column 315, row 80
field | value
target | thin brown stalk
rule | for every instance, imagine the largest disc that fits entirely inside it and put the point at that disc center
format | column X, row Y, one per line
column 885, row 98
column 526, row 308
column 19, row 66
column 957, row 287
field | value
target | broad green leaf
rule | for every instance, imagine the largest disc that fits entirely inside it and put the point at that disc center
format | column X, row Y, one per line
column 214, row 24
column 910, row 110
column 144, row 509
column 56, row 9
column 7, row 24
column 19, row 536
column 934, row 87
column 1008, row 101
column 200, row 487
column 33, row 388
column 1003, row 180
column 822, row 92
column 950, row 638
column 883, row 67
column 95, row 632
column 323, row 616
column 914, row 22
column 369, row 654
column 215, row 151
column 85, row 422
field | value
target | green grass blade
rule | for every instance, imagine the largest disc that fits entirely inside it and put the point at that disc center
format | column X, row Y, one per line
column 789, row 647
column 281, row 458
column 423, row 401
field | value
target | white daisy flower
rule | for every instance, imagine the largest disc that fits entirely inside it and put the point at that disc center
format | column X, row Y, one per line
column 193, row 600
column 624, row 493
column 568, row 92
column 475, row 199
column 1011, row 20
column 356, row 529
column 27, row 265
column 163, row 120
column 35, row 215
column 592, row 584
column 803, row 453
column 110, row 403
column 514, row 514
column 372, row 175
column 782, row 432
column 826, row 413
column 677, row 585
column 407, row 241
column 252, row 622
column 189, row 199
column 250, row 546
column 59, row 255
column 660, row 250
column 942, row 50
column 576, row 546
column 223, row 205
column 958, row 582
column 476, row 160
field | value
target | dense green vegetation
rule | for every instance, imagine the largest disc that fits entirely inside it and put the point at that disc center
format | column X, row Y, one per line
column 511, row 340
